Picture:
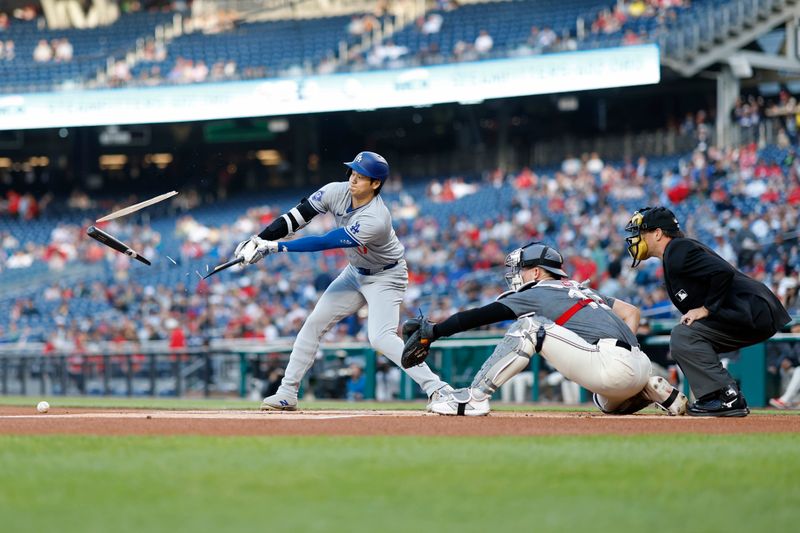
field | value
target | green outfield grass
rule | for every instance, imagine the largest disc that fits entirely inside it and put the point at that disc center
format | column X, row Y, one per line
column 406, row 484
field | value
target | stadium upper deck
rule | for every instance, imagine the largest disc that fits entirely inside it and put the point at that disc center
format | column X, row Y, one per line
column 179, row 46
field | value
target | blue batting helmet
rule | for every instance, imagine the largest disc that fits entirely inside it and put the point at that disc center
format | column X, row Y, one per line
column 370, row 164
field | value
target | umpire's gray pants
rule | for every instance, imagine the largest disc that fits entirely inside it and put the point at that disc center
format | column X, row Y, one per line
column 696, row 348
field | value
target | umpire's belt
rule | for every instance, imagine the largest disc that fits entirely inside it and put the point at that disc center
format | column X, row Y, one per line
column 371, row 271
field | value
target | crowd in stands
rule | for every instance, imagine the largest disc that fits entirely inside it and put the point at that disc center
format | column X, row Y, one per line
column 57, row 50
column 744, row 206
column 601, row 24
column 155, row 64
column 744, row 202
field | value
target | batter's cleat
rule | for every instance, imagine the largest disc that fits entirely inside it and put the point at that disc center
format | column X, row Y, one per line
column 665, row 396
column 461, row 403
column 438, row 395
column 279, row 402
column 726, row 402
column 777, row 403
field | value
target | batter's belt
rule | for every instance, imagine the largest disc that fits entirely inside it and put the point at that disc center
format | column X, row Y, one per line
column 371, row 271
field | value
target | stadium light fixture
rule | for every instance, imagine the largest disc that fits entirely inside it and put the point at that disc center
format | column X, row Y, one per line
column 159, row 160
column 113, row 161
column 269, row 158
column 40, row 161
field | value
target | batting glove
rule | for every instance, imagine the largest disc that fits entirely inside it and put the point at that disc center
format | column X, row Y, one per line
column 254, row 249
column 265, row 248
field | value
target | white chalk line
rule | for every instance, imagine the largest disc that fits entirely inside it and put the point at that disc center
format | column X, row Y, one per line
column 318, row 415
column 213, row 415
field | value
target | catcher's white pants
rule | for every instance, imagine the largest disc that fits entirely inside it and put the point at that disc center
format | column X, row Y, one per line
column 613, row 372
column 383, row 293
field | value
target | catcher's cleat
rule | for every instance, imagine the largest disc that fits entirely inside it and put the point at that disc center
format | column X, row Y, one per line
column 461, row 403
column 666, row 397
column 278, row 402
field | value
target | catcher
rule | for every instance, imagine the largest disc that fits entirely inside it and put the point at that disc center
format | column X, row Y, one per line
column 588, row 338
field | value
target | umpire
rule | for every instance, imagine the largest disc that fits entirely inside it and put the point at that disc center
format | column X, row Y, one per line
column 722, row 309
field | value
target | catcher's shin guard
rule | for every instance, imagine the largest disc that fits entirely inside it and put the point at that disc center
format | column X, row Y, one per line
column 510, row 357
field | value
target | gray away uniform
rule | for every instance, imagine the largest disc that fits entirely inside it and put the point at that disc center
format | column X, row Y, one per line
column 586, row 351
column 376, row 276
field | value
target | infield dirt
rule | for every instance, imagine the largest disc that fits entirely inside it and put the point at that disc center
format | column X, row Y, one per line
column 25, row 421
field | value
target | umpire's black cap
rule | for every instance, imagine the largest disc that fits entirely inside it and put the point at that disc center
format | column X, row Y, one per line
column 658, row 217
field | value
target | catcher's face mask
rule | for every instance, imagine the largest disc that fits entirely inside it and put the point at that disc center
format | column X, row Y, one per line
column 637, row 247
column 535, row 254
column 514, row 273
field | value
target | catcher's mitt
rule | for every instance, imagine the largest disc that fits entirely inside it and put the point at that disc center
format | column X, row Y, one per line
column 419, row 335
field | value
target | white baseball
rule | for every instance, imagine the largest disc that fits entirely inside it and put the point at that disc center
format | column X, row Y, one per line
column 42, row 407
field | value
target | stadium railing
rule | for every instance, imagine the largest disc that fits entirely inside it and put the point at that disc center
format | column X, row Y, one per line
column 228, row 369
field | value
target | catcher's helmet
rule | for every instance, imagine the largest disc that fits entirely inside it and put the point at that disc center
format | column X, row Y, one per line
column 535, row 254
column 370, row 164
column 647, row 219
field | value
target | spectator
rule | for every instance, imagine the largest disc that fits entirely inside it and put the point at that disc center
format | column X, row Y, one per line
column 43, row 52
column 63, row 50
column 630, row 38
column 200, row 72
column 483, row 43
column 791, row 392
column 356, row 25
column 230, row 69
column 432, row 24
column 356, row 383
column 121, row 73
column 7, row 52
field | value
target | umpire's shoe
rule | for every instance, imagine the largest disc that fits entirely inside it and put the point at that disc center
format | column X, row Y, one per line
column 726, row 402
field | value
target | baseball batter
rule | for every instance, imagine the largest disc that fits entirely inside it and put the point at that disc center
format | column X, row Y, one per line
column 588, row 338
column 376, row 276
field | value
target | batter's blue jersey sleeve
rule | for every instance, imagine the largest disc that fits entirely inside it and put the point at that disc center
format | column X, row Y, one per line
column 365, row 228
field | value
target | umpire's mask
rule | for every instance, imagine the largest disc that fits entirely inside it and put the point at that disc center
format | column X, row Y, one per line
column 532, row 255
column 648, row 219
column 637, row 248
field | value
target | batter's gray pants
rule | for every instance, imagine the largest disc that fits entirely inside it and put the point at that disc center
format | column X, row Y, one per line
column 348, row 293
column 696, row 348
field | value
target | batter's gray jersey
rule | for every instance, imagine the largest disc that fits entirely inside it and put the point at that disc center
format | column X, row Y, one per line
column 552, row 298
column 370, row 226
